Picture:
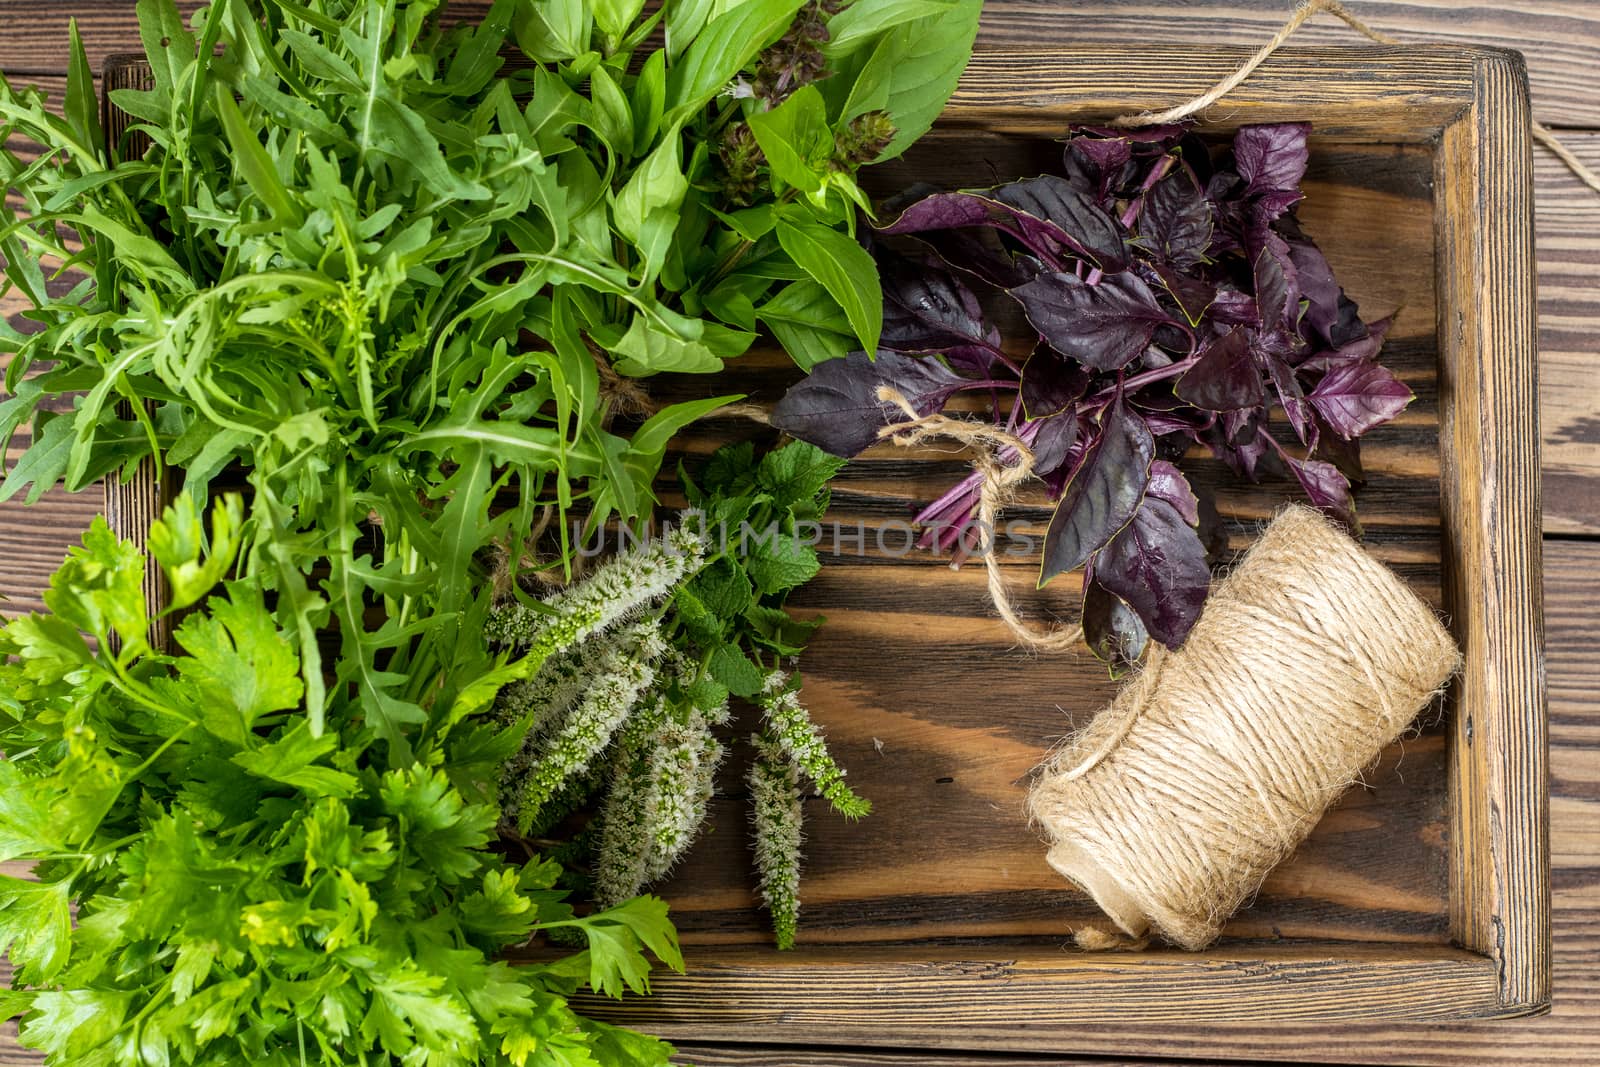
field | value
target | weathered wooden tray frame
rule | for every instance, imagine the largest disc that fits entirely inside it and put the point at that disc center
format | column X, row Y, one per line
column 1470, row 108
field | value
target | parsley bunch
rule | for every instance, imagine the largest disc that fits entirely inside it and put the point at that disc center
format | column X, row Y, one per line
column 248, row 889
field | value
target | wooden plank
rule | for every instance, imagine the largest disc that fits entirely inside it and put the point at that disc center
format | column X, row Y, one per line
column 1561, row 37
column 780, row 1056
column 1407, row 94
column 1499, row 827
column 997, row 997
column 1568, row 220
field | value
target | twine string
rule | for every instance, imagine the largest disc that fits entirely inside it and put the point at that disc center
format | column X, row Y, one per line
column 997, row 487
column 1302, row 14
column 1211, row 768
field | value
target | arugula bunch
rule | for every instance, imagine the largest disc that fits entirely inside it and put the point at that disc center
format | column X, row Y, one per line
column 247, row 889
column 1172, row 300
column 388, row 274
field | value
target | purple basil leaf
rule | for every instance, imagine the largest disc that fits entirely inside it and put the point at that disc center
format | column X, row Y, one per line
column 1102, row 326
column 926, row 308
column 1231, row 307
column 1327, row 488
column 1162, row 137
column 1052, row 442
column 1317, row 285
column 1272, row 158
column 1239, row 439
column 1225, row 377
column 1168, row 483
column 1103, row 494
column 836, row 406
column 954, row 211
column 981, row 254
column 1098, row 165
column 1157, row 564
column 1090, row 230
column 1348, row 327
column 1050, row 382
column 1112, row 630
column 1175, row 223
column 1355, row 397
column 1192, row 294
column 1163, row 425
column 1363, row 348
column 1301, row 414
column 1277, row 283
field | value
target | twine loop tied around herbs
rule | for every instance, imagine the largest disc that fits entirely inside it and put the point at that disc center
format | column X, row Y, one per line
column 1000, row 479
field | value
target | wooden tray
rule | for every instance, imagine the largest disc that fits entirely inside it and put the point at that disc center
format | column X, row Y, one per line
column 1425, row 893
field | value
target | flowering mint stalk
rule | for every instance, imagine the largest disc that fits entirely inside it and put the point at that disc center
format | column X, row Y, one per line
column 623, row 855
column 682, row 770
column 794, row 732
column 626, row 670
column 775, row 811
column 618, row 590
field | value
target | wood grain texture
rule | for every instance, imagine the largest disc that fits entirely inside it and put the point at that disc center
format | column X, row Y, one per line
column 135, row 501
column 1568, row 249
column 702, row 1055
column 1499, row 840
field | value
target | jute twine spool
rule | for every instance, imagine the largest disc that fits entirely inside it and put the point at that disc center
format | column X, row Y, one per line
column 1214, row 763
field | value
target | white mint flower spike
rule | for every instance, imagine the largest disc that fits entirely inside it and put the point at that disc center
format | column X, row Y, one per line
column 775, row 810
column 618, row 589
column 793, row 731
column 624, row 843
column 625, row 672
column 682, row 769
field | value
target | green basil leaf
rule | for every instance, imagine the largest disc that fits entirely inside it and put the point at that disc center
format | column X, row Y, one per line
column 657, row 187
column 649, row 101
column 796, row 139
column 685, row 20
column 615, row 16
column 913, row 71
column 612, row 113
column 808, row 323
column 842, row 267
column 552, row 31
column 647, row 348
column 725, row 47
column 862, row 21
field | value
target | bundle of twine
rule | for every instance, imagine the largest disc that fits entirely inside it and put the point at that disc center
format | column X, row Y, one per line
column 1213, row 764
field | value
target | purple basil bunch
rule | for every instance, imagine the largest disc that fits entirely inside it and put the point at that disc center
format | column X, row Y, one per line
column 1172, row 299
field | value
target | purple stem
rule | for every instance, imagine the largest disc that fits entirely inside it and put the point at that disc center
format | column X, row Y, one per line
column 1131, row 213
column 947, row 516
column 989, row 383
column 1139, row 381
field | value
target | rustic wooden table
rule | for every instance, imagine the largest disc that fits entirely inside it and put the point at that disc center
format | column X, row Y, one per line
column 1561, row 39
